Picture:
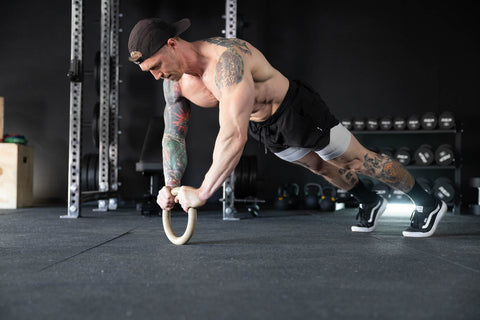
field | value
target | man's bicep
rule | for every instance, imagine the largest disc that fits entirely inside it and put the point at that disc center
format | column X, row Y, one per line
column 177, row 110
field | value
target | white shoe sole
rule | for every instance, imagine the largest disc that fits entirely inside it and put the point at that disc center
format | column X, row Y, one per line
column 381, row 210
column 440, row 214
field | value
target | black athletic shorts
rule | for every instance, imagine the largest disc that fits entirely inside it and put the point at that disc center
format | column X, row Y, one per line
column 302, row 120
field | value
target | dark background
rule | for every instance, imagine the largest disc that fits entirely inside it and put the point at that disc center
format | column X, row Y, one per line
column 368, row 58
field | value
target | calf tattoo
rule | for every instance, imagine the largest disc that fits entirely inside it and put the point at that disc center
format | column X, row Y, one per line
column 388, row 171
column 349, row 176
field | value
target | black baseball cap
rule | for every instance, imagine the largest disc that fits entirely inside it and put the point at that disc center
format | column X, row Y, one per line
column 149, row 35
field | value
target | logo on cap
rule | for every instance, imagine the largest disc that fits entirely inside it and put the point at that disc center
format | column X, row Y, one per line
column 136, row 57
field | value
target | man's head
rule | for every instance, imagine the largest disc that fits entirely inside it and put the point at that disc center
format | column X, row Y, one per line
column 150, row 35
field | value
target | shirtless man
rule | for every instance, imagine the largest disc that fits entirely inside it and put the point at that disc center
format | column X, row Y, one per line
column 288, row 116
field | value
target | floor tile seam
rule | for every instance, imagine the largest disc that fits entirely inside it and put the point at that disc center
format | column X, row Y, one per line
column 87, row 249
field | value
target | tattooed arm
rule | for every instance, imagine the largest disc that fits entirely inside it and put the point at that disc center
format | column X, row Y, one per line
column 176, row 116
column 236, row 104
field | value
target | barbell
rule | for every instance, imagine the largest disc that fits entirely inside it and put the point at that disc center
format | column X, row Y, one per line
column 167, row 224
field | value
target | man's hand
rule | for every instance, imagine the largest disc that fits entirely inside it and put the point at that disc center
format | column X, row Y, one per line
column 188, row 197
column 165, row 199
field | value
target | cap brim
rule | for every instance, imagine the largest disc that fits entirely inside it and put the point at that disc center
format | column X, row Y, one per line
column 181, row 26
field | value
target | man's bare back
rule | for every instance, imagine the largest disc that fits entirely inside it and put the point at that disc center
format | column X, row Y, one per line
column 270, row 85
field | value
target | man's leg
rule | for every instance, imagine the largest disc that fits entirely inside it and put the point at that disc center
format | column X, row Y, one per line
column 372, row 205
column 429, row 210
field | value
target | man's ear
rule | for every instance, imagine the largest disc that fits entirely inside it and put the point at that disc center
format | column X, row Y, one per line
column 172, row 42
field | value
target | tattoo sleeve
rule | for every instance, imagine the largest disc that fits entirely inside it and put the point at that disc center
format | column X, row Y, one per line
column 176, row 117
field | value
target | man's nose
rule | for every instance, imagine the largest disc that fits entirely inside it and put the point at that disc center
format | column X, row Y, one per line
column 157, row 75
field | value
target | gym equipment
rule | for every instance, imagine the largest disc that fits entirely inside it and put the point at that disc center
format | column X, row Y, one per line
column 109, row 75
column 403, row 155
column 372, row 124
column 424, row 155
column 95, row 119
column 327, row 200
column 475, row 208
column 246, row 177
column 413, row 122
column 444, row 189
column 399, row 123
column 96, row 72
column 444, row 155
column 446, row 120
column 287, row 197
column 429, row 121
column 347, row 123
column 89, row 172
column 386, row 123
column 167, row 224
column 311, row 197
column 387, row 152
column 293, row 200
column 281, row 201
column 359, row 124
column 426, row 184
column 382, row 190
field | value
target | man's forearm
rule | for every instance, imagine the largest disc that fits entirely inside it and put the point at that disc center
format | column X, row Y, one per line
column 226, row 156
column 174, row 159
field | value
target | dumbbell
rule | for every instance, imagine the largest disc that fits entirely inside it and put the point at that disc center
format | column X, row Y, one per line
column 444, row 189
column 399, row 123
column 327, row 200
column 413, row 122
column 359, row 124
column 426, row 184
column 386, row 123
column 372, row 124
column 403, row 155
column 446, row 120
column 444, row 155
column 428, row 121
column 424, row 155
column 347, row 123
column 387, row 152
column 382, row 190
column 312, row 193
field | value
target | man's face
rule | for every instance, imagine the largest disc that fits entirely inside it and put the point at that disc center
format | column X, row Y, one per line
column 162, row 65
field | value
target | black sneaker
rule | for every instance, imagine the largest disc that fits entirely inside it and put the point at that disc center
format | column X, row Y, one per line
column 369, row 215
column 424, row 220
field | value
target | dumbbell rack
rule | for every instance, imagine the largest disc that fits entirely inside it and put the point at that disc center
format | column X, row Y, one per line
column 108, row 111
column 455, row 169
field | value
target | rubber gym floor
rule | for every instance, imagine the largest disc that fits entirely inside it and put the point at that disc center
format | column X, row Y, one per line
column 293, row 265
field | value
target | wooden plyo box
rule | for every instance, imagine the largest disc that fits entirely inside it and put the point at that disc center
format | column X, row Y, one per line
column 16, row 176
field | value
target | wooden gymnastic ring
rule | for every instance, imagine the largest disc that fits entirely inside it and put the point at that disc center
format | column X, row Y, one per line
column 167, row 224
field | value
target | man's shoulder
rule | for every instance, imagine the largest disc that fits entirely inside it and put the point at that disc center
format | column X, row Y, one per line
column 234, row 43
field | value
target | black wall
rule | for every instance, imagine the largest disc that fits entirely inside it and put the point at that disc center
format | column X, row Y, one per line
column 364, row 57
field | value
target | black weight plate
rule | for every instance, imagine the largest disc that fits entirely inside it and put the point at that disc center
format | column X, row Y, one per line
column 84, row 173
column 95, row 123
